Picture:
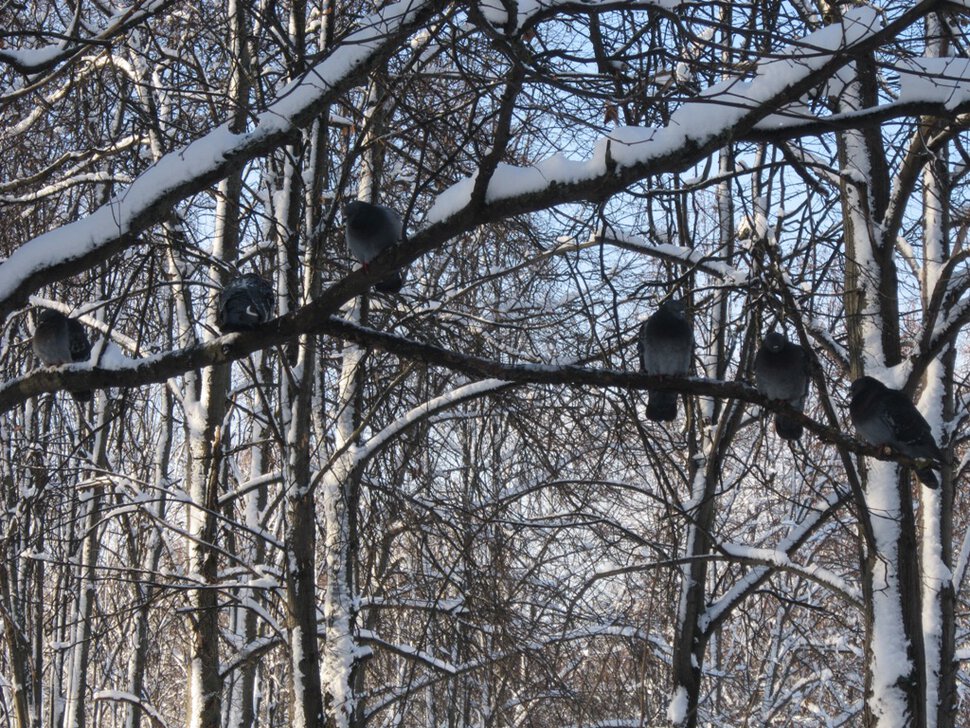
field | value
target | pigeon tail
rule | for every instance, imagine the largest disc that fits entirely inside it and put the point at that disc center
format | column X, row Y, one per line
column 390, row 285
column 787, row 428
column 928, row 478
column 662, row 406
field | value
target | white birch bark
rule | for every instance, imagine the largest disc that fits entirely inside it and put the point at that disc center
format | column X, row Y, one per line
column 936, row 404
column 76, row 698
column 893, row 646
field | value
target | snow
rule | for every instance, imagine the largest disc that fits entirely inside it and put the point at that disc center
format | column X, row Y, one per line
column 677, row 709
column 449, row 606
column 112, row 357
column 296, row 658
column 375, row 443
column 890, row 663
column 126, row 697
column 780, row 559
column 35, row 58
column 938, row 80
column 732, row 597
column 700, row 121
column 31, row 57
column 195, row 417
column 414, row 652
column 494, row 11
column 126, row 213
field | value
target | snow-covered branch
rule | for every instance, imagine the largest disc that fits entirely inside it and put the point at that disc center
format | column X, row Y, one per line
column 191, row 169
column 728, row 110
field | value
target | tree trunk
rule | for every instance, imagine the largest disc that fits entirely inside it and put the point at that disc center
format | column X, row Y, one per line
column 895, row 669
column 711, row 437
column 153, row 551
column 936, row 552
column 77, row 698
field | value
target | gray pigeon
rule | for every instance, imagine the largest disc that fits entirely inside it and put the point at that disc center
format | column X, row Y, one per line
column 246, row 302
column 370, row 229
column 781, row 373
column 884, row 416
column 61, row 340
column 666, row 348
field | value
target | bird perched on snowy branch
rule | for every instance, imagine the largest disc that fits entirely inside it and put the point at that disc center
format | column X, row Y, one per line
column 666, row 348
column 61, row 340
column 781, row 373
column 371, row 229
column 884, row 416
column 246, row 302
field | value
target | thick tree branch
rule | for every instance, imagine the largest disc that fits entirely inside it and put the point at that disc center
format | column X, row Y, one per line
column 235, row 346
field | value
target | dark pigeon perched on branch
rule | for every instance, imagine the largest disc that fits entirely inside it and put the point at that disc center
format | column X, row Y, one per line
column 370, row 229
column 884, row 416
column 781, row 373
column 246, row 302
column 666, row 349
column 61, row 340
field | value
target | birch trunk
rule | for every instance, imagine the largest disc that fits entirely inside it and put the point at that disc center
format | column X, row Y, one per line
column 895, row 670
column 340, row 492
column 149, row 566
column 339, row 498
column 936, row 552
column 206, row 438
column 243, row 709
column 76, row 699
column 306, row 701
column 17, row 647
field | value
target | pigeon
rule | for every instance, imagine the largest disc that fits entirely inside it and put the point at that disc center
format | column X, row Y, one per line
column 246, row 302
column 666, row 347
column 781, row 373
column 61, row 340
column 884, row 416
column 371, row 229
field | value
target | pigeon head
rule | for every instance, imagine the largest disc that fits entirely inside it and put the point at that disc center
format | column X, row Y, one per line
column 49, row 316
column 676, row 307
column 775, row 342
column 353, row 208
column 865, row 384
column 364, row 219
column 253, row 279
column 358, row 213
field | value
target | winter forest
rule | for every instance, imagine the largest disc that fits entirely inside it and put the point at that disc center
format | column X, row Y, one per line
column 446, row 506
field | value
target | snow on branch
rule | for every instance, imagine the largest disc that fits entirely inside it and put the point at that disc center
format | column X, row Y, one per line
column 728, row 110
column 526, row 12
column 699, row 127
column 442, row 669
column 367, row 637
column 676, row 254
column 30, row 61
column 927, row 86
column 779, row 559
column 934, row 80
column 192, row 168
column 719, row 610
column 427, row 409
column 125, row 697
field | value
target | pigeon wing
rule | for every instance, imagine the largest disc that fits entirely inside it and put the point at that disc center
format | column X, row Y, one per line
column 78, row 340
column 911, row 431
